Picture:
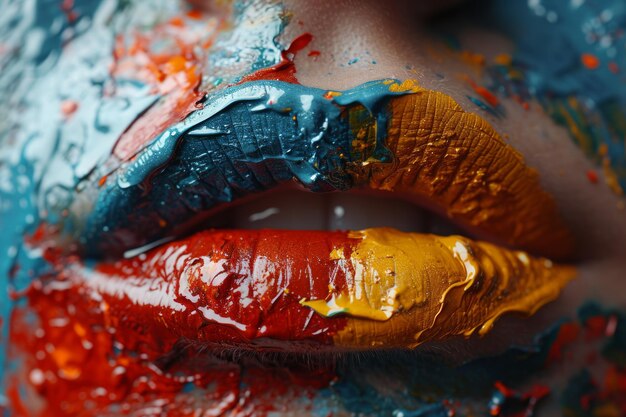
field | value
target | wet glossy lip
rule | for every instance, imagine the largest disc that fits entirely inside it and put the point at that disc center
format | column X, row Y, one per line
column 290, row 290
column 273, row 289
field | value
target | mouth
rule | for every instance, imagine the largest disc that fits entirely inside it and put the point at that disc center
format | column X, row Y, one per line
column 297, row 290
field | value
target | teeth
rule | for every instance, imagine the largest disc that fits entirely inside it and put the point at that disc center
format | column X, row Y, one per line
column 356, row 212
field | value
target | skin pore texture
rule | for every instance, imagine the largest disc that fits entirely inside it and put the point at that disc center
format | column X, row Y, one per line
column 183, row 109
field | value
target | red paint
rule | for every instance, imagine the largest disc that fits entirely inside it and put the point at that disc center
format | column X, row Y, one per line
column 285, row 70
column 568, row 333
column 314, row 53
column 595, row 327
column 194, row 14
column 592, row 176
column 81, row 344
column 613, row 67
column 254, row 279
column 530, row 398
column 590, row 61
column 611, row 394
column 525, row 105
column 67, row 6
column 170, row 58
column 299, row 44
column 487, row 95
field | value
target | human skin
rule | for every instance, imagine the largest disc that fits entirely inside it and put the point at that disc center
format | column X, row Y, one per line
column 396, row 38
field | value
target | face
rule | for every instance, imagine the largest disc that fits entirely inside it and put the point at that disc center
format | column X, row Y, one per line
column 287, row 208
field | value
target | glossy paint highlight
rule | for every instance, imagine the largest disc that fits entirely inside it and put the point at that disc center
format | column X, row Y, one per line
column 408, row 288
column 384, row 135
column 257, row 290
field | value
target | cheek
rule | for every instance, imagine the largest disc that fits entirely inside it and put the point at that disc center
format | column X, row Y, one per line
column 580, row 86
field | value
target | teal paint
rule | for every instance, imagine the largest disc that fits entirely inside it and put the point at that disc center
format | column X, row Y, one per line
column 550, row 38
column 248, row 138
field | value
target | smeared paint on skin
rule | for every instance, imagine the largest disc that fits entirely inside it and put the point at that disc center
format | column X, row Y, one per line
column 43, row 46
column 85, row 368
column 571, row 63
column 507, row 402
column 249, row 289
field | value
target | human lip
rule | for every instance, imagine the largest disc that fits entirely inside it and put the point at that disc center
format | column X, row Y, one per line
column 261, row 289
column 383, row 135
column 386, row 136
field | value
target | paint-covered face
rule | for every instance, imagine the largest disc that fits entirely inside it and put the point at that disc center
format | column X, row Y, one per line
column 286, row 208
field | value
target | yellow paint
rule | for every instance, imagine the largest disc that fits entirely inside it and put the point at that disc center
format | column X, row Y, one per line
column 503, row 59
column 457, row 163
column 336, row 253
column 404, row 289
column 610, row 177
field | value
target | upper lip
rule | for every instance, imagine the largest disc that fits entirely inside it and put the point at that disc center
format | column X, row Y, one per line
column 384, row 135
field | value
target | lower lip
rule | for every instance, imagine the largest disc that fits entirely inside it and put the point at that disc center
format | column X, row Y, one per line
column 303, row 290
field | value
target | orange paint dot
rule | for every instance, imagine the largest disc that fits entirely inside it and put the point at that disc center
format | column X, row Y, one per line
column 177, row 21
column 194, row 14
column 487, row 95
column 68, row 107
column 503, row 59
column 590, row 61
column 175, row 64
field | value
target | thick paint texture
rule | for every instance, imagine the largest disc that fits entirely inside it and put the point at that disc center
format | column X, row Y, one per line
column 383, row 135
column 407, row 288
column 99, row 85
column 75, row 78
column 257, row 289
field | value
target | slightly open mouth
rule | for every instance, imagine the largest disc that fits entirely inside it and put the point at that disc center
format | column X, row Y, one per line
column 368, row 284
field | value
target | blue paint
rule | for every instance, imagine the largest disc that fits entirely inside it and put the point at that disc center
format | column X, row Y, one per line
column 250, row 45
column 614, row 348
column 44, row 156
column 550, row 37
column 248, row 138
column 32, row 35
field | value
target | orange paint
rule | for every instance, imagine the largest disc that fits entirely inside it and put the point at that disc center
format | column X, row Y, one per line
column 590, row 61
column 102, row 180
column 487, row 95
column 68, row 107
column 170, row 58
column 194, row 14
column 457, row 161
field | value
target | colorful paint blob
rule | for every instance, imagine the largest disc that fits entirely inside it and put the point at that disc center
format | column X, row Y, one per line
column 125, row 126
